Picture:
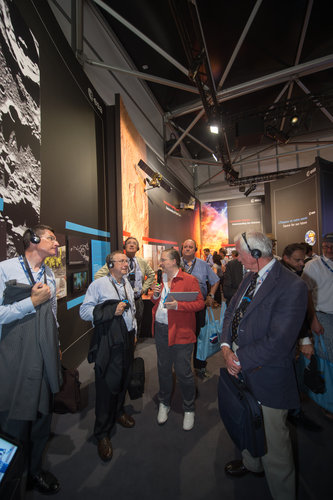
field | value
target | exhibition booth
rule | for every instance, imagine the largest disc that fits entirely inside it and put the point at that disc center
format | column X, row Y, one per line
column 72, row 162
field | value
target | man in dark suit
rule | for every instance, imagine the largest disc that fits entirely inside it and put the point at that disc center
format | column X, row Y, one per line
column 259, row 341
column 232, row 278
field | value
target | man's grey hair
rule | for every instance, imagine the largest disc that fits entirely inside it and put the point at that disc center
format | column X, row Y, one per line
column 255, row 240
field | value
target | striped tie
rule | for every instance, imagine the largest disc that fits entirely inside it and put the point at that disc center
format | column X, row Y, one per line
column 239, row 313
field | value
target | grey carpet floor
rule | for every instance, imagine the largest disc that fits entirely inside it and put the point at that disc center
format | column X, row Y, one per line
column 153, row 462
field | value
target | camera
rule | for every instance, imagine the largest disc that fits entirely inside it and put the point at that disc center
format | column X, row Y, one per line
column 127, row 304
column 131, row 278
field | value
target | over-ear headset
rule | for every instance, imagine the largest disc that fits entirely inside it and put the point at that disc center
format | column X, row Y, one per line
column 109, row 262
column 255, row 252
column 34, row 238
column 132, row 238
column 195, row 244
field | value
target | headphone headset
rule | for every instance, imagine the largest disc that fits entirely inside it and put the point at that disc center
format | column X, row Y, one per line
column 109, row 262
column 34, row 238
column 131, row 238
column 255, row 252
column 195, row 244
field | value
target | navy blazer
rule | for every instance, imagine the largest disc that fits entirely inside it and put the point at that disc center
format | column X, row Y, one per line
column 267, row 337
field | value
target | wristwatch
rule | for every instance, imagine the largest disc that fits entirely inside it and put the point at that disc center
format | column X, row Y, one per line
column 211, row 295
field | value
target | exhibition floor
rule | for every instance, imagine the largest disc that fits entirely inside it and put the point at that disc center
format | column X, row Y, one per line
column 164, row 462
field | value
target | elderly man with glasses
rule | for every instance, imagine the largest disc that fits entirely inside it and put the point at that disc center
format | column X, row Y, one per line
column 110, row 305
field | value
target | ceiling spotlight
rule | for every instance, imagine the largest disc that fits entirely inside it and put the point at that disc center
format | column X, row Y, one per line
column 249, row 190
column 214, row 128
column 294, row 119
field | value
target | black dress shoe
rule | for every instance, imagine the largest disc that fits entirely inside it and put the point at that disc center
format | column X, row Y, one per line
column 44, row 482
column 301, row 420
column 126, row 421
column 236, row 468
column 104, row 448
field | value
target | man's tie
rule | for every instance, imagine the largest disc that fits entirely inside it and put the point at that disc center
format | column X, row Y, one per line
column 131, row 266
column 239, row 313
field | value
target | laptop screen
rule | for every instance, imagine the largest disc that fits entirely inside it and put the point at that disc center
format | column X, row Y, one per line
column 7, row 454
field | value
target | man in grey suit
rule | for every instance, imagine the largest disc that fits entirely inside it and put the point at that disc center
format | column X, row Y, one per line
column 29, row 354
column 258, row 341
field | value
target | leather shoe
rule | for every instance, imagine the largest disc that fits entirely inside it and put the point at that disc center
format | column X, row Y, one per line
column 236, row 468
column 44, row 482
column 126, row 421
column 104, row 448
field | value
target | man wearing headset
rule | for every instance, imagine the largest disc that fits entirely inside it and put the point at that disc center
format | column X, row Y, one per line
column 29, row 354
column 109, row 305
column 259, row 335
column 141, row 276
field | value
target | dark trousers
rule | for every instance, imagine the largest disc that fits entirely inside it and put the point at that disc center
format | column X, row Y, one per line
column 109, row 405
column 200, row 317
column 179, row 357
column 139, row 306
column 33, row 435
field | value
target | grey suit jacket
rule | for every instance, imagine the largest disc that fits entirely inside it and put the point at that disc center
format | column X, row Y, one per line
column 29, row 360
column 267, row 337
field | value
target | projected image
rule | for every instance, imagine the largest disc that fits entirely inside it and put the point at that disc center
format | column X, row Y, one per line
column 79, row 282
column 214, row 225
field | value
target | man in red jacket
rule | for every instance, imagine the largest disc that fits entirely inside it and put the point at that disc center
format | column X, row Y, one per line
column 174, row 328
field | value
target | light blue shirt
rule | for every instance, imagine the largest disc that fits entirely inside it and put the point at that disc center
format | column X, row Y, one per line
column 12, row 269
column 101, row 290
column 203, row 272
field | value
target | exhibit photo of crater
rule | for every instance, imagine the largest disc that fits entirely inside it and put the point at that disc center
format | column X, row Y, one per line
column 20, row 168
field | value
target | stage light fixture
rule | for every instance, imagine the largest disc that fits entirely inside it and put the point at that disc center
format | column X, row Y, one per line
column 214, row 128
column 250, row 189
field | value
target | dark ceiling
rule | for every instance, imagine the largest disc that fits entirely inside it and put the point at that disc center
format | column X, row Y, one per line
column 281, row 35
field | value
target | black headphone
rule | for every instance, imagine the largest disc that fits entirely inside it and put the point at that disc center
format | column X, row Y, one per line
column 195, row 243
column 255, row 252
column 34, row 238
column 109, row 262
column 131, row 238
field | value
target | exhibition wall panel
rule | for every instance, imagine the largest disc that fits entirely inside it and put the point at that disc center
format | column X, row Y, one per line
column 71, row 187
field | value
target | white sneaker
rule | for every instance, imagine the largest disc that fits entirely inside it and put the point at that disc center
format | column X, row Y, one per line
column 188, row 422
column 162, row 415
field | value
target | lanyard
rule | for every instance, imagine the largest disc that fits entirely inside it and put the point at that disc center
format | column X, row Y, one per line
column 117, row 291
column 190, row 269
column 325, row 264
column 28, row 273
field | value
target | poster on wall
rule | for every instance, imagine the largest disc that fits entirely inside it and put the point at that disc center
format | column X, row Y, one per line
column 78, row 250
column 58, row 266
column 295, row 209
column 20, row 169
column 214, row 225
column 245, row 214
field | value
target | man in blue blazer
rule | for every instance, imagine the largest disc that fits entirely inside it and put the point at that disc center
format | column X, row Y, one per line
column 260, row 342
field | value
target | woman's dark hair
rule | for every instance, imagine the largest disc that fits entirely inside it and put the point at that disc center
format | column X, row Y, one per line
column 217, row 259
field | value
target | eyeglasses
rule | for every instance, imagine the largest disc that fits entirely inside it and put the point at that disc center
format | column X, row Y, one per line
column 51, row 238
column 122, row 261
column 164, row 260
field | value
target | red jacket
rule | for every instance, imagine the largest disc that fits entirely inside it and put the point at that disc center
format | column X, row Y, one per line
column 182, row 322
